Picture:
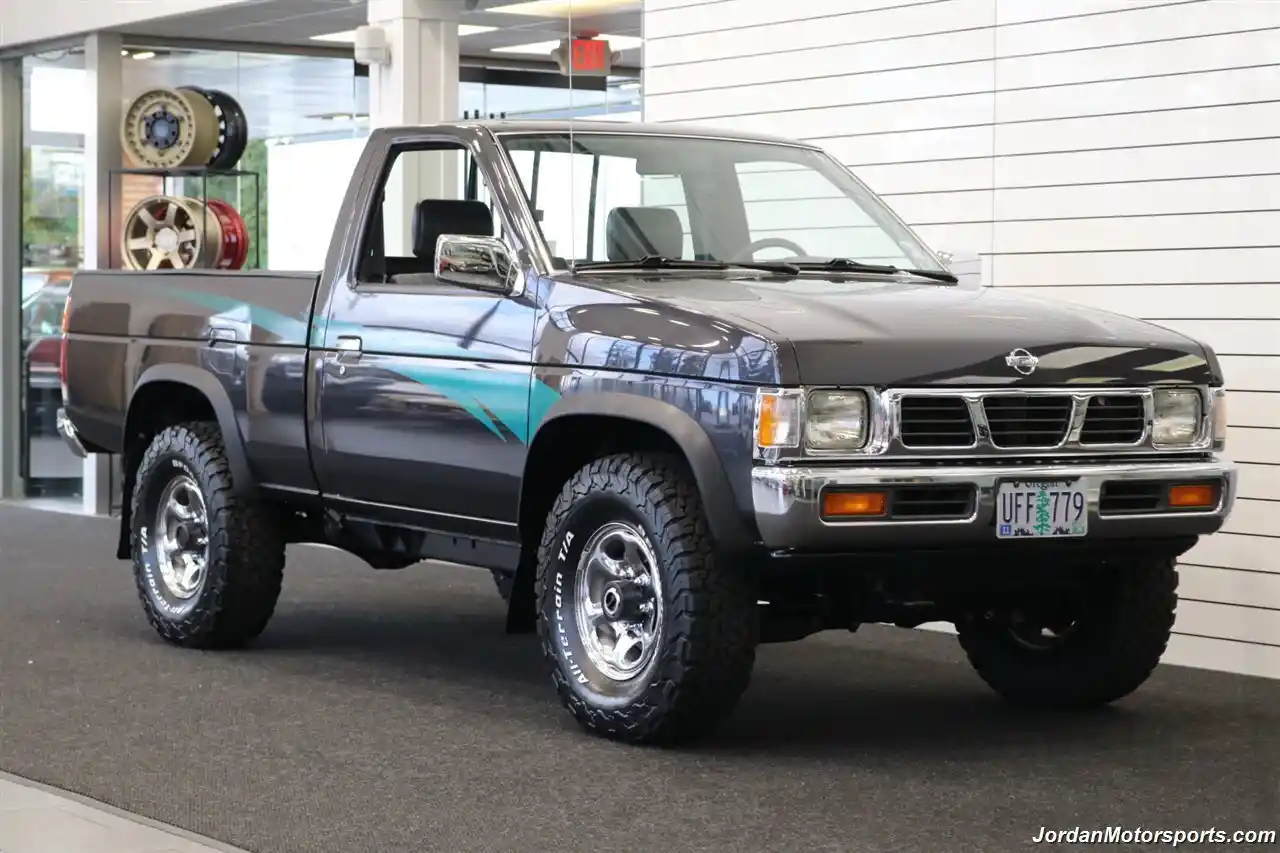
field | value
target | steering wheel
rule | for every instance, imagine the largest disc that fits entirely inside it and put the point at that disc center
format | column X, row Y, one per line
column 775, row 243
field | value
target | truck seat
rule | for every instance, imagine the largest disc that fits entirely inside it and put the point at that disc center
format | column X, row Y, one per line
column 433, row 217
column 633, row 232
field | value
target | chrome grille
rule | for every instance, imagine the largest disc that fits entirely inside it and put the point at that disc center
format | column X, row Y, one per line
column 1114, row 419
column 1022, row 421
column 935, row 422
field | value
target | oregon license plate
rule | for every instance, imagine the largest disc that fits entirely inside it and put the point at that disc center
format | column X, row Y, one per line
column 1042, row 509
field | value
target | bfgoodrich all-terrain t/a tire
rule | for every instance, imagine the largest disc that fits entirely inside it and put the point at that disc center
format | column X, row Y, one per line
column 1125, row 618
column 649, row 637
column 208, row 563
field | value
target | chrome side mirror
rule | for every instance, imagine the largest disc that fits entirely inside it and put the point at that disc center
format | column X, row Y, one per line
column 947, row 258
column 477, row 262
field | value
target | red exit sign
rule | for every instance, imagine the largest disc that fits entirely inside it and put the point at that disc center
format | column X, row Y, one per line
column 587, row 56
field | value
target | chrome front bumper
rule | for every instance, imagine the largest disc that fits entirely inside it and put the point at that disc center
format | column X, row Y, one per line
column 67, row 430
column 788, row 503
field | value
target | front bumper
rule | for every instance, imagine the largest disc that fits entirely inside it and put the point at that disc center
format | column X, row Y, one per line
column 788, row 500
column 67, row 430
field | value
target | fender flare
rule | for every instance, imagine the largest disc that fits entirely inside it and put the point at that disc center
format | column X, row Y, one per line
column 728, row 525
column 216, row 394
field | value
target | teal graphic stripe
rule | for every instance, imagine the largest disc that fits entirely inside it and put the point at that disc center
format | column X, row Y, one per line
column 517, row 401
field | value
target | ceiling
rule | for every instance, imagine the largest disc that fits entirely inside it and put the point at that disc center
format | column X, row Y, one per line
column 287, row 96
column 300, row 22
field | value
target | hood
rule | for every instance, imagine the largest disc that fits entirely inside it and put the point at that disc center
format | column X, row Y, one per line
column 877, row 332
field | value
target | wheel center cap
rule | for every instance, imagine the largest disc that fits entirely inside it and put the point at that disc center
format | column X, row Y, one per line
column 167, row 240
column 622, row 601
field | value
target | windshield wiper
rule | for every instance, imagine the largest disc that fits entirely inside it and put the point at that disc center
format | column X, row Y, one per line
column 661, row 262
column 887, row 269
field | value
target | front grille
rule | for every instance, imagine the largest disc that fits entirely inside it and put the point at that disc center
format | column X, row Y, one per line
column 1114, row 419
column 1020, row 421
column 935, row 422
column 1131, row 497
column 939, row 502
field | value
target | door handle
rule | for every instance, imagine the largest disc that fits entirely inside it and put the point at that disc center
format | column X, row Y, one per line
column 349, row 349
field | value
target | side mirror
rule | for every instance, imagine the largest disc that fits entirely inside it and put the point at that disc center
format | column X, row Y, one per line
column 477, row 262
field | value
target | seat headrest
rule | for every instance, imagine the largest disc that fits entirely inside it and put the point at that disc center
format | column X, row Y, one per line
column 633, row 232
column 433, row 217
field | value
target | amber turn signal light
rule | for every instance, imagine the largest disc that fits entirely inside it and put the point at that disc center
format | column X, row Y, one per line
column 1190, row 497
column 849, row 504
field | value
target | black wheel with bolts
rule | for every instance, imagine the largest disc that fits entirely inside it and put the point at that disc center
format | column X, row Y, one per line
column 1078, row 651
column 208, row 563
column 649, row 637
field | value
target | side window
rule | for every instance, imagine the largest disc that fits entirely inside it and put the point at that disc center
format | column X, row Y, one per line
column 797, row 205
column 574, row 195
column 426, row 193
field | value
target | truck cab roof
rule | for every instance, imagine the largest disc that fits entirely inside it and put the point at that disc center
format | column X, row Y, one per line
column 503, row 126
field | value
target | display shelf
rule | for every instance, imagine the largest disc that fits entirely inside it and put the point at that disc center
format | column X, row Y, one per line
column 174, row 182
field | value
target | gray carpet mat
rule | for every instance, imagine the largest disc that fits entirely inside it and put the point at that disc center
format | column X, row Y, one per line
column 388, row 711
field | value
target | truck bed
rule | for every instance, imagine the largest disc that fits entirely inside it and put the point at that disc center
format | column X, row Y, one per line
column 125, row 329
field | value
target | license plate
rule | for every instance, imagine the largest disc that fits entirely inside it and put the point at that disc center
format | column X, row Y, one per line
column 1043, row 509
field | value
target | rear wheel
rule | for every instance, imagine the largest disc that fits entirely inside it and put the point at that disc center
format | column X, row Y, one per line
column 208, row 564
column 650, row 639
column 1078, row 651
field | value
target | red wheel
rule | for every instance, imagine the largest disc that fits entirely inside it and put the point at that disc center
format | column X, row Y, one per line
column 233, row 249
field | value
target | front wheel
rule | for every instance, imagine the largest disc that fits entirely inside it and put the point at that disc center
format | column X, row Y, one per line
column 650, row 639
column 1078, row 651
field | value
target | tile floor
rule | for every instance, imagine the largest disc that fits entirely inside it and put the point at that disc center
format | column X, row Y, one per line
column 36, row 819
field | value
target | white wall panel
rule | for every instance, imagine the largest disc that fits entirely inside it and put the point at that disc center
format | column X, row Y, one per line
column 1168, row 301
column 1208, row 653
column 1262, row 482
column 886, row 87
column 1238, row 337
column 1223, row 621
column 1230, row 586
column 801, row 31
column 1153, row 93
column 1256, row 445
column 1128, row 129
column 1118, row 154
column 1230, row 551
column 1210, row 53
column 1170, row 21
column 1211, row 160
column 1191, row 266
column 1252, row 373
column 1213, row 230
column 1261, row 192
column 931, row 50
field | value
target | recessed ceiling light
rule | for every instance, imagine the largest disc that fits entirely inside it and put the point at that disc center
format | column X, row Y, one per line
column 562, row 8
column 349, row 36
column 145, row 54
column 615, row 43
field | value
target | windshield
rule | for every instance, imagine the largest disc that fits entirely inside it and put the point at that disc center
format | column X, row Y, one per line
column 619, row 197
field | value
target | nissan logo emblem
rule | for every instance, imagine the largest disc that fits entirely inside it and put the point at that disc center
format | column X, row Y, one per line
column 1022, row 361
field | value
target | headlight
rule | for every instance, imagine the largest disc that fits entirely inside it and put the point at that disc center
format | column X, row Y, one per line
column 836, row 420
column 1177, row 416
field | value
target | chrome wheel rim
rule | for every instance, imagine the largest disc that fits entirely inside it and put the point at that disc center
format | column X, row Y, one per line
column 618, row 601
column 182, row 537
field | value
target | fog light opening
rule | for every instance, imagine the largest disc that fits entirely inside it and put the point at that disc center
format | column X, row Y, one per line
column 853, row 504
column 1193, row 496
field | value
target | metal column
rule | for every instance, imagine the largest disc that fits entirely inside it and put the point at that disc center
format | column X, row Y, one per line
column 10, row 277
column 419, row 86
column 104, row 77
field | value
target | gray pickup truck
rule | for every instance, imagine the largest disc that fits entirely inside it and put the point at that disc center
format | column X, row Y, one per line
column 559, row 352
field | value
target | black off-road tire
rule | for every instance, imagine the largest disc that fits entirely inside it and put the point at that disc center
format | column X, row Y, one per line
column 1130, row 614
column 246, row 552
column 706, row 650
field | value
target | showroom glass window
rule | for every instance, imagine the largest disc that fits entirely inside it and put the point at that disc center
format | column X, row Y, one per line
column 735, row 200
column 53, row 169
